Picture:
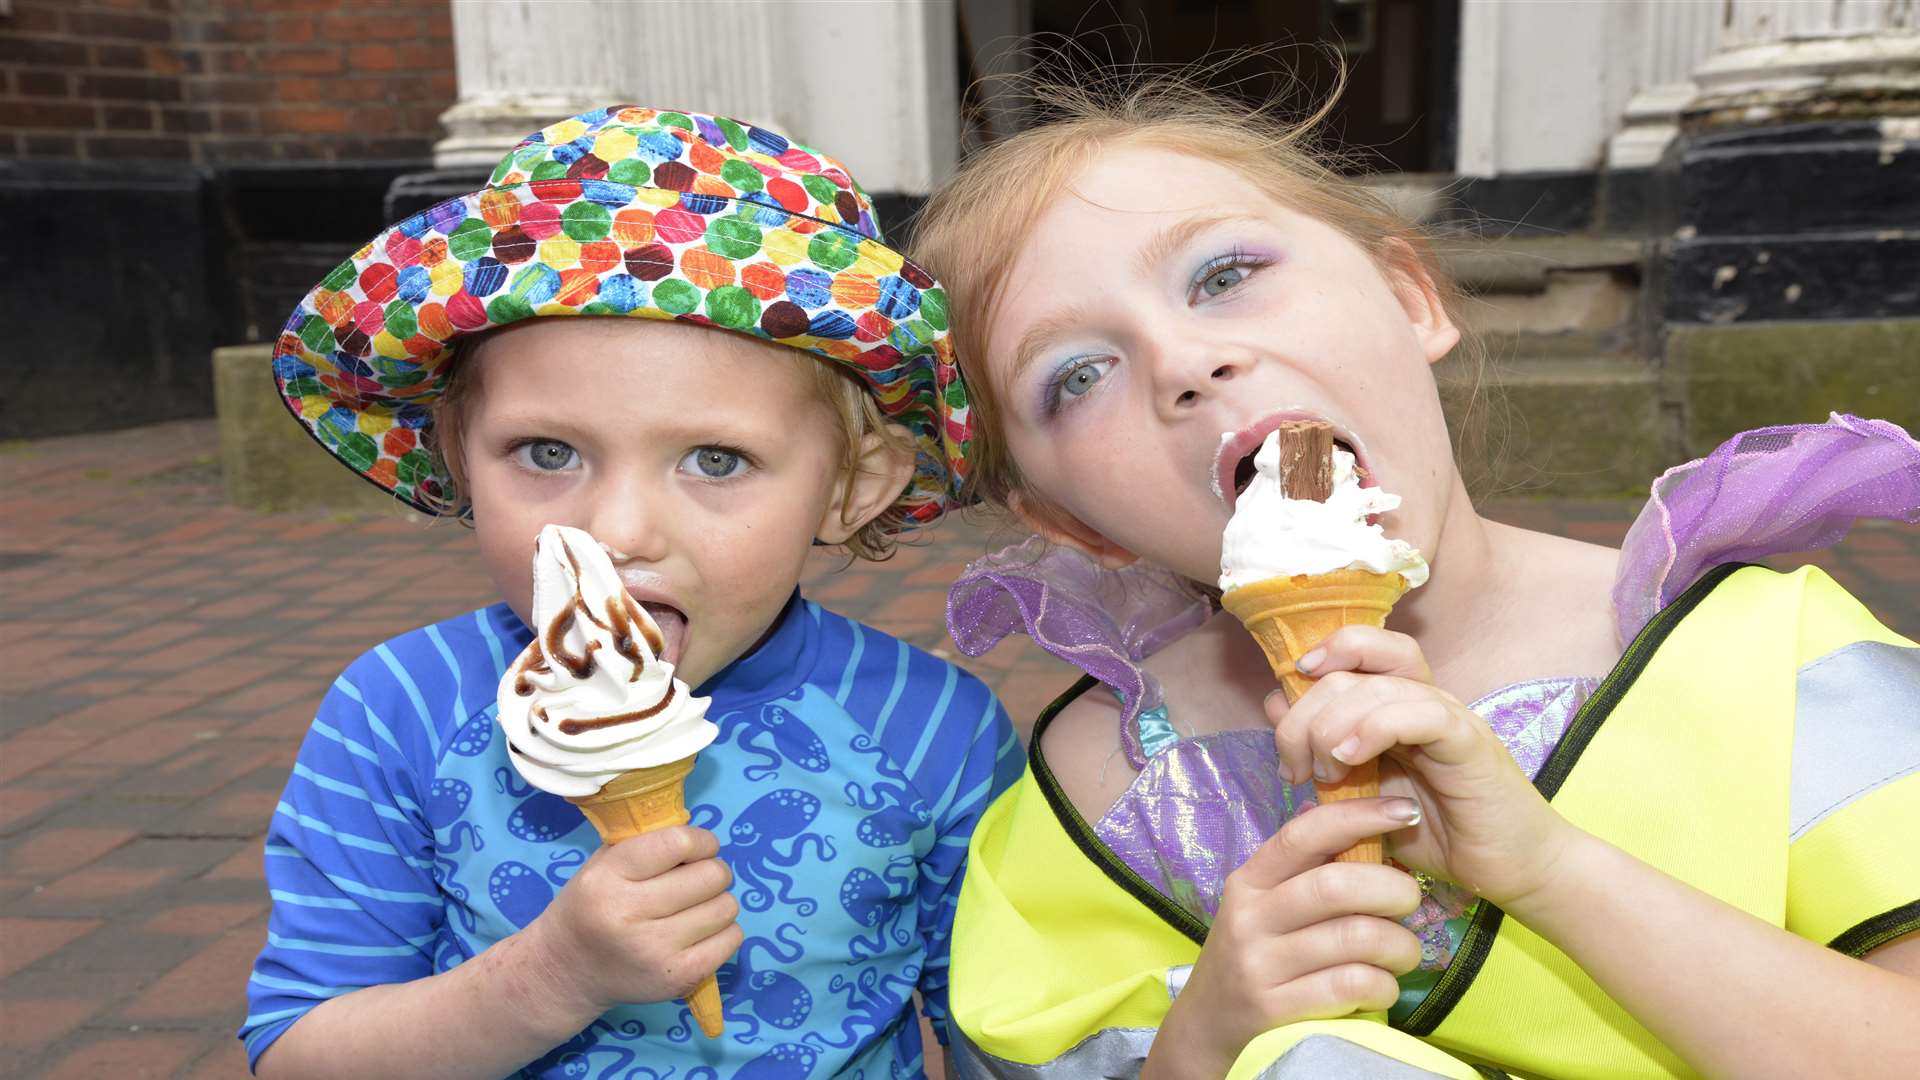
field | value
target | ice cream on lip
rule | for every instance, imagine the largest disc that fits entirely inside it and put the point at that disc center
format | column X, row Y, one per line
column 1272, row 536
column 589, row 698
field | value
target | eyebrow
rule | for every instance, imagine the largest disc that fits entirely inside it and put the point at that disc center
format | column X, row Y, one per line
column 1043, row 334
column 1157, row 248
column 1174, row 237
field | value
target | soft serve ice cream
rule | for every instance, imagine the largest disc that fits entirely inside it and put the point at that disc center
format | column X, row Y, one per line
column 1273, row 536
column 590, row 698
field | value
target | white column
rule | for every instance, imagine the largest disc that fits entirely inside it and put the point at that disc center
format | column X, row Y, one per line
column 1674, row 38
column 873, row 84
column 1542, row 85
column 1777, row 54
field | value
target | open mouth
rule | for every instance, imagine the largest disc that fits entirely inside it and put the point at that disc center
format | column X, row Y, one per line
column 673, row 628
column 1234, row 469
column 1243, row 471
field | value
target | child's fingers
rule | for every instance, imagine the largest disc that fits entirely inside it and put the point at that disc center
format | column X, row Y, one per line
column 702, row 958
column 1309, row 840
column 1368, row 649
column 647, row 856
column 700, row 921
column 1334, row 890
column 1424, row 720
column 1276, row 707
column 683, row 887
column 1358, row 718
column 1354, row 939
column 1327, row 712
column 1335, row 991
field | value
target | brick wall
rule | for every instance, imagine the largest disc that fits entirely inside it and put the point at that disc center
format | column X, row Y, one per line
column 219, row 82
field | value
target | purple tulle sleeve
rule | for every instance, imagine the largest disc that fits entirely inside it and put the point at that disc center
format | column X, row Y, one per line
column 1797, row 487
column 1104, row 622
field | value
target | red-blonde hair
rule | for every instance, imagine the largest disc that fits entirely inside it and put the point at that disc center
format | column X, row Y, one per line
column 968, row 231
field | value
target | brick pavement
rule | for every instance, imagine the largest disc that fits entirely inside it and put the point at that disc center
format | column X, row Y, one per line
column 163, row 655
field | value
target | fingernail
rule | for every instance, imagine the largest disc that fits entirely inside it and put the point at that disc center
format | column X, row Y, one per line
column 1310, row 661
column 1345, row 751
column 1321, row 772
column 1405, row 811
column 1271, row 694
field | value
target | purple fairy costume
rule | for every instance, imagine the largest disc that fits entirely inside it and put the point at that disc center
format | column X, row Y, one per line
column 1201, row 804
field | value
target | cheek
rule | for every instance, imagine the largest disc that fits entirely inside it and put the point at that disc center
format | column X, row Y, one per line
column 506, row 530
column 507, row 553
column 1090, row 463
column 740, row 553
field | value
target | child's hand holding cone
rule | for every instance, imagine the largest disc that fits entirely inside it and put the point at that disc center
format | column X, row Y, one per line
column 647, row 918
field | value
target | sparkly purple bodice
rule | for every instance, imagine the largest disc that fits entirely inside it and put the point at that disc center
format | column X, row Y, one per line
column 1202, row 805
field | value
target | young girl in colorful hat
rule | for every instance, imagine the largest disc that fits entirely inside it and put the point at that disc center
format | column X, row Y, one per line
column 685, row 336
column 1651, row 809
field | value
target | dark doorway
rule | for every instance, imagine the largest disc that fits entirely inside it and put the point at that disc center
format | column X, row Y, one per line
column 1401, row 57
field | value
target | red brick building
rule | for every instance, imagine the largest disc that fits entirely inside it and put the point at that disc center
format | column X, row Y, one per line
column 177, row 171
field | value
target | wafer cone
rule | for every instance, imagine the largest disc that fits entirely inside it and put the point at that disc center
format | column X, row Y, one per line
column 640, row 801
column 1288, row 617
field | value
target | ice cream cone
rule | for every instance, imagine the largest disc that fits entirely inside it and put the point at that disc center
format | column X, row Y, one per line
column 640, row 801
column 1288, row 617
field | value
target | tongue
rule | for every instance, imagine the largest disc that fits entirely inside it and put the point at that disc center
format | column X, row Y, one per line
column 673, row 629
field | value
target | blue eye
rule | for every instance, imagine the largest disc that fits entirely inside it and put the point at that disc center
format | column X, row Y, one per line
column 713, row 463
column 546, row 455
column 1080, row 378
column 1073, row 381
column 1225, row 273
column 1223, row 279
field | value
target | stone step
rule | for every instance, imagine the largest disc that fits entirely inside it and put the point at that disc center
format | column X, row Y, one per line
column 1524, row 349
column 1529, row 264
column 1586, row 289
column 1584, row 426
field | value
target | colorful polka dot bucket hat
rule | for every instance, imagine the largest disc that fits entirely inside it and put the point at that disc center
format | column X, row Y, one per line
column 625, row 211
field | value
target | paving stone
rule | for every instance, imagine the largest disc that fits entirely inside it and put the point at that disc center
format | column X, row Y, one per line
column 125, row 1057
column 226, row 1060
column 187, row 656
column 31, row 1025
column 201, row 920
column 27, row 751
column 141, row 877
column 26, row 629
column 126, row 711
column 206, row 986
column 28, row 707
column 117, row 947
column 21, row 807
column 238, row 810
column 23, row 941
column 247, row 864
column 49, row 853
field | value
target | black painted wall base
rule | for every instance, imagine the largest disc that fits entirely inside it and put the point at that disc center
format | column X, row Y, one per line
column 121, row 279
column 106, row 272
column 1800, row 221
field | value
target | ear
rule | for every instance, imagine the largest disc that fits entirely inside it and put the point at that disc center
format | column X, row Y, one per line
column 1420, row 300
column 877, row 475
column 1056, row 526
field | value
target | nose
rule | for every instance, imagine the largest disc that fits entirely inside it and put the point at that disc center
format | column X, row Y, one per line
column 630, row 520
column 1190, row 372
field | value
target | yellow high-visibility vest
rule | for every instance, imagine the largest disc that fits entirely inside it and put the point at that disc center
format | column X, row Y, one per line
column 1759, row 740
